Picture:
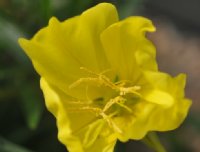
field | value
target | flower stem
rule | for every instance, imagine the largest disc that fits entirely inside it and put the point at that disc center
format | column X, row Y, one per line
column 153, row 142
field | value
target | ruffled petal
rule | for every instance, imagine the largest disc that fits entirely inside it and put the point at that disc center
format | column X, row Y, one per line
column 87, row 134
column 163, row 106
column 161, row 88
column 60, row 49
column 151, row 117
column 169, row 118
column 127, row 48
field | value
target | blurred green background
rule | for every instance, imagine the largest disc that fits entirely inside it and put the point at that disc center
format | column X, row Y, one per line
column 25, row 123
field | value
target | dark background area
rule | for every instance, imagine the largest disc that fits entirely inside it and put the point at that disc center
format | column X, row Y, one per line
column 25, row 123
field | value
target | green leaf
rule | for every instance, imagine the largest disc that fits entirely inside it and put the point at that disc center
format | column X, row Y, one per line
column 9, row 39
column 31, row 105
column 45, row 9
column 71, row 7
column 7, row 146
column 129, row 7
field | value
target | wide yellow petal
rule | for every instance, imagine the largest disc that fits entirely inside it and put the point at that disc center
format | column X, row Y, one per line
column 161, row 88
column 78, row 131
column 127, row 48
column 60, row 49
column 170, row 118
column 152, row 117
column 162, row 107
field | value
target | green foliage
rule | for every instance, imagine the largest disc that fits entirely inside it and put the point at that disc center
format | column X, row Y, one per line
column 6, row 146
column 31, row 107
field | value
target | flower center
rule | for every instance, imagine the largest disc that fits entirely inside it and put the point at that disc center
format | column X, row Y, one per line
column 119, row 103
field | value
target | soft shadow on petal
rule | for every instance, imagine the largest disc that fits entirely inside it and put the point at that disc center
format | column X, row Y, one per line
column 127, row 48
column 86, row 135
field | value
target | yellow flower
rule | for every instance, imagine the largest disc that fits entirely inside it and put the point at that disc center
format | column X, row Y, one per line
column 100, row 80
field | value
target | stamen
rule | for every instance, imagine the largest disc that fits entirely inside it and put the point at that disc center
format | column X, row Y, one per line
column 98, row 112
column 85, row 109
column 122, row 87
column 111, row 123
column 81, row 80
column 124, row 106
column 98, row 78
column 117, row 100
column 124, row 90
column 91, row 72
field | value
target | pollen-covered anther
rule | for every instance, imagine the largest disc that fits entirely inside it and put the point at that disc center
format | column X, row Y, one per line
column 127, row 90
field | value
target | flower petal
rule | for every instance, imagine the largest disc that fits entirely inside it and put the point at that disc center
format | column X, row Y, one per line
column 164, row 107
column 162, row 88
column 169, row 118
column 126, row 47
column 151, row 117
column 87, row 135
column 59, row 50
